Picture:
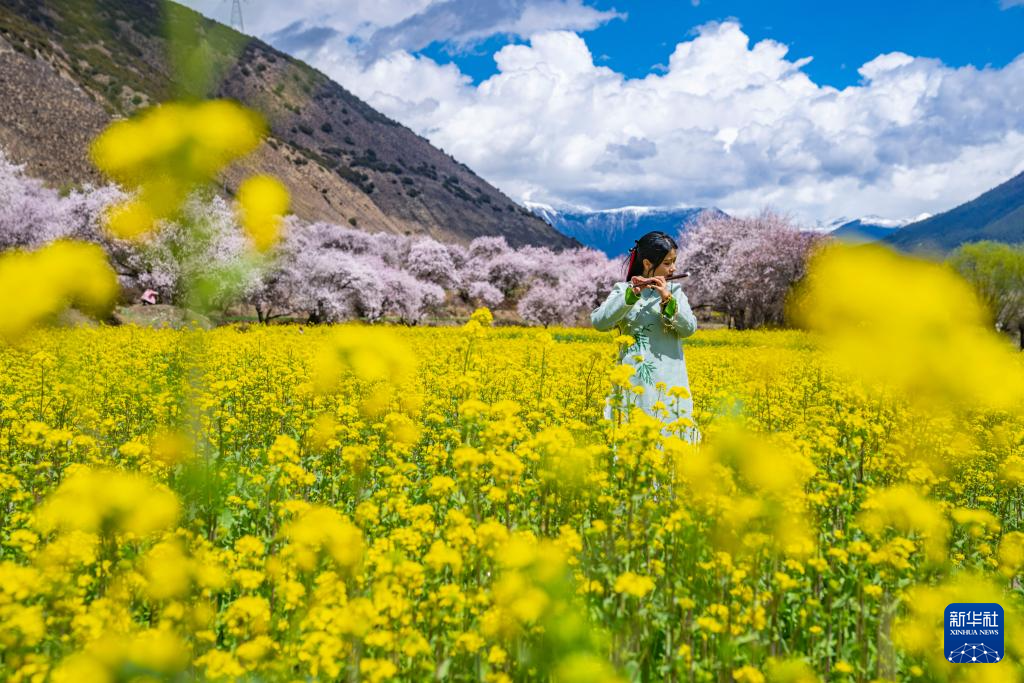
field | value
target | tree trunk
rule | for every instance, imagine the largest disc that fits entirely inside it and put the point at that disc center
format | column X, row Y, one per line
column 741, row 319
column 317, row 316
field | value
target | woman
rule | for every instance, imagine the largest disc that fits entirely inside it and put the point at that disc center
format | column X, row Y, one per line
column 657, row 315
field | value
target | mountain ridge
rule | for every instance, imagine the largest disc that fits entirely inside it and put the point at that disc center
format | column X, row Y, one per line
column 997, row 214
column 867, row 228
column 70, row 67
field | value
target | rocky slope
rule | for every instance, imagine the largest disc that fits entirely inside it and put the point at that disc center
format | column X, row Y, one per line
column 69, row 67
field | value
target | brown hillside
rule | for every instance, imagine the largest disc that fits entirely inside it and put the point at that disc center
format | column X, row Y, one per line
column 69, row 67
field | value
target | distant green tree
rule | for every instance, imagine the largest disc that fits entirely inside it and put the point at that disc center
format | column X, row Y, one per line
column 996, row 270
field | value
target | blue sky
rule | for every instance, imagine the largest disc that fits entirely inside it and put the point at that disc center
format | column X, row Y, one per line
column 840, row 36
column 819, row 109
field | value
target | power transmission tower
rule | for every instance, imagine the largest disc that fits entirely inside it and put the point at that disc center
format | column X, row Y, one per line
column 236, row 16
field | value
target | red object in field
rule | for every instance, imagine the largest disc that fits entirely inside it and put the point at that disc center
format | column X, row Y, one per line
column 148, row 297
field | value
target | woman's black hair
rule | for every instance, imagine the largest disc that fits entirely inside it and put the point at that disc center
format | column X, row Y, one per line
column 653, row 246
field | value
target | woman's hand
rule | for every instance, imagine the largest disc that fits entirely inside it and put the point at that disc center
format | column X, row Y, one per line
column 659, row 284
column 638, row 283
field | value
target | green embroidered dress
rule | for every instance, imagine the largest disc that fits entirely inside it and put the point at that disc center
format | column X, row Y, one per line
column 657, row 353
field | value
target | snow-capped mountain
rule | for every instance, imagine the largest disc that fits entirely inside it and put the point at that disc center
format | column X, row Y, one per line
column 867, row 228
column 613, row 231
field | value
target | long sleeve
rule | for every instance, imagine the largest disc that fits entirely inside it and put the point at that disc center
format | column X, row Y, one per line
column 669, row 309
column 614, row 308
column 682, row 319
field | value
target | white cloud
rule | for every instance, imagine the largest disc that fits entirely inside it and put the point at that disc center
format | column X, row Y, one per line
column 729, row 123
column 461, row 23
column 356, row 18
column 378, row 27
column 1007, row 4
column 725, row 123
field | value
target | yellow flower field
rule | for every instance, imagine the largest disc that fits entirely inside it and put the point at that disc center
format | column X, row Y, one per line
column 367, row 503
column 356, row 503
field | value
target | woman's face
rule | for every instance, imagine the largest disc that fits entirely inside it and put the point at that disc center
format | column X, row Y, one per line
column 666, row 268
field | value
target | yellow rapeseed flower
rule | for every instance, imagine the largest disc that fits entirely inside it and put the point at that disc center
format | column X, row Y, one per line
column 368, row 352
column 903, row 509
column 168, row 150
column 634, row 584
column 101, row 501
column 747, row 674
column 585, row 667
column 39, row 284
column 621, row 374
column 130, row 220
column 483, row 316
column 323, row 531
column 908, row 323
column 262, row 201
column 790, row 671
column 168, row 571
column 1011, row 554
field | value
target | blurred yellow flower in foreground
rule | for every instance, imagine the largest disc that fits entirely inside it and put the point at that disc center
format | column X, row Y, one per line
column 902, row 509
column 791, row 671
column 42, row 283
column 620, row 375
column 108, row 501
column 262, row 200
column 753, row 486
column 166, row 152
column 584, row 667
column 369, row 353
column 909, row 323
column 324, row 531
column 170, row 447
column 129, row 220
column 168, row 570
column 153, row 651
column 634, row 584
column 185, row 140
column 1011, row 554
